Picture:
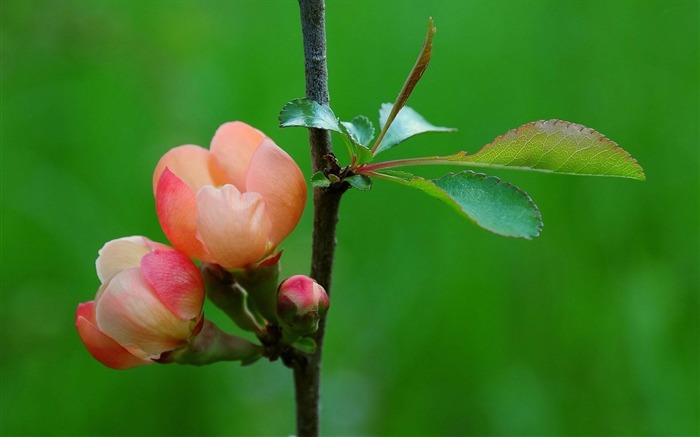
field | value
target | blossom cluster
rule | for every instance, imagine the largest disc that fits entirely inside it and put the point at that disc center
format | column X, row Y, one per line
column 228, row 207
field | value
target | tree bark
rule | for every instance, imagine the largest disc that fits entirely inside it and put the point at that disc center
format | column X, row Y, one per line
column 326, row 204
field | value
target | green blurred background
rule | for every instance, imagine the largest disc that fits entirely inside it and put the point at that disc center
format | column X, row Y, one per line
column 437, row 327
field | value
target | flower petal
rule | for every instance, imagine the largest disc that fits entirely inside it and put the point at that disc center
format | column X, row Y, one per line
column 193, row 165
column 274, row 175
column 176, row 281
column 102, row 347
column 233, row 146
column 176, row 207
column 130, row 312
column 123, row 253
column 233, row 226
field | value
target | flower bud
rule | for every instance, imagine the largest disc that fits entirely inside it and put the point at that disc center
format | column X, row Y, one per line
column 301, row 302
column 150, row 302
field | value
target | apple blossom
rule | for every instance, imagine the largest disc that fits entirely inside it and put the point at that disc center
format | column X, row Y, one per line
column 150, row 302
column 230, row 205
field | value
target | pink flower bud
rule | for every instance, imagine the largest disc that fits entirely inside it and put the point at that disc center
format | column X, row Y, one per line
column 230, row 205
column 150, row 302
column 301, row 302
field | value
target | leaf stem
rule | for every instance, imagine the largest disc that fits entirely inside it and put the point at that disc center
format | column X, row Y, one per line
column 427, row 160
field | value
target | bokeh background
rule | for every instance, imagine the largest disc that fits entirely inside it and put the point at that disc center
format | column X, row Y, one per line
column 437, row 327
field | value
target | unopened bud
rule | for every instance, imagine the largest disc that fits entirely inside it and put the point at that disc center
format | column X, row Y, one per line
column 301, row 302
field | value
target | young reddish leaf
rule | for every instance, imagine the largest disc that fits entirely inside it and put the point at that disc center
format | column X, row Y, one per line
column 555, row 146
column 494, row 205
column 413, row 77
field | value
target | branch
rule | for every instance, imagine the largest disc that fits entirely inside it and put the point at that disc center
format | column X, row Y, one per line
column 326, row 203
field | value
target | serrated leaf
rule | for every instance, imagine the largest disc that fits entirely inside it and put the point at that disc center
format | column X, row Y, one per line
column 360, row 182
column 364, row 155
column 555, row 146
column 305, row 344
column 494, row 205
column 407, row 123
column 309, row 113
column 320, row 180
column 360, row 129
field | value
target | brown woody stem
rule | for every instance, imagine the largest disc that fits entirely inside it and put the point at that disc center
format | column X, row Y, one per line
column 307, row 370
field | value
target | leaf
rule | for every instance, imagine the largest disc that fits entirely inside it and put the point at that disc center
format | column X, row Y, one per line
column 364, row 155
column 494, row 205
column 413, row 77
column 407, row 123
column 554, row 146
column 360, row 182
column 309, row 113
column 305, row 344
column 320, row 180
column 360, row 129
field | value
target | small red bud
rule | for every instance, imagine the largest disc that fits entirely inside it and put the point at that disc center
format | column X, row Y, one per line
column 301, row 302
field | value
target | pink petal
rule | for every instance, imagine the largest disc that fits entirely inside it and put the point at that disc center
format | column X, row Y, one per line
column 130, row 312
column 176, row 207
column 193, row 165
column 123, row 253
column 176, row 281
column 274, row 175
column 233, row 146
column 101, row 347
column 233, row 226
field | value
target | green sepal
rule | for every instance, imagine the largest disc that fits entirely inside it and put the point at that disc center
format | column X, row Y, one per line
column 212, row 345
column 305, row 344
column 320, row 180
column 230, row 297
column 494, row 205
column 360, row 182
column 408, row 123
column 261, row 285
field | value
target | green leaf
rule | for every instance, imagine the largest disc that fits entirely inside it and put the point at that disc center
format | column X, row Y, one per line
column 494, row 205
column 406, row 124
column 554, row 146
column 320, row 180
column 360, row 182
column 309, row 113
column 364, row 155
column 305, row 344
column 361, row 130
